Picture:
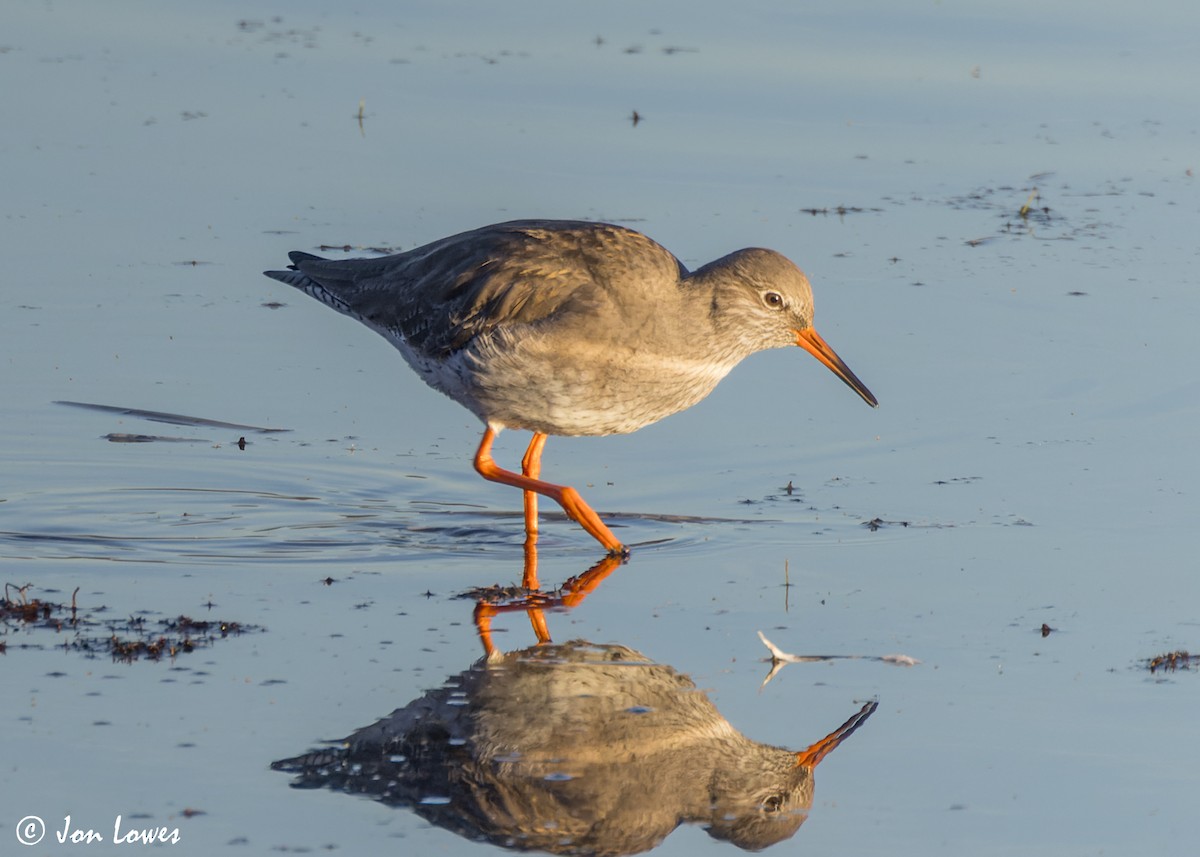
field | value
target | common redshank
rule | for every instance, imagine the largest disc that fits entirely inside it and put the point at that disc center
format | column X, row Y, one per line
column 569, row 328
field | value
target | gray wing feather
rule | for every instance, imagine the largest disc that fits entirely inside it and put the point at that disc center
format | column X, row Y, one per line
column 441, row 296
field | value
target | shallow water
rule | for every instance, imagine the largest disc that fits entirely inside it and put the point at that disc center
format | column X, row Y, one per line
column 1031, row 462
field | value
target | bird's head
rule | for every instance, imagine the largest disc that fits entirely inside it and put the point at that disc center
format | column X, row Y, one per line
column 768, row 301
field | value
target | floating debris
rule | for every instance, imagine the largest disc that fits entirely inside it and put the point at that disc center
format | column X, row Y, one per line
column 876, row 524
column 779, row 659
column 171, row 638
column 350, row 248
column 128, row 640
column 1025, row 209
column 24, row 610
column 957, row 480
column 839, row 210
column 1177, row 660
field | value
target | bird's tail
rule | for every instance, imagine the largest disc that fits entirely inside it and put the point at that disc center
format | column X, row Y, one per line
column 294, row 276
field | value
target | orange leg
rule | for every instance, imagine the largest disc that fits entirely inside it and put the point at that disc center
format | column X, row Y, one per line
column 563, row 495
column 531, row 466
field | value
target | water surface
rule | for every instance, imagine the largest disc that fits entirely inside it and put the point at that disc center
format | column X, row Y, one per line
column 1031, row 462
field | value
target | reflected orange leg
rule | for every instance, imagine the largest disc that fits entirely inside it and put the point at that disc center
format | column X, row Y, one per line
column 530, row 577
column 483, row 624
column 535, row 603
column 484, row 613
column 815, row 753
column 537, row 620
column 578, row 588
column 564, row 495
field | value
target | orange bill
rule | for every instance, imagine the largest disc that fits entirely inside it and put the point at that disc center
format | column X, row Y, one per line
column 812, row 342
column 811, row 757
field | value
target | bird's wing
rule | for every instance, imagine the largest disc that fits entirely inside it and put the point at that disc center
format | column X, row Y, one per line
column 441, row 296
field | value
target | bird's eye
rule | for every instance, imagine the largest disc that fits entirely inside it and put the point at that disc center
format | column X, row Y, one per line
column 774, row 803
column 773, row 300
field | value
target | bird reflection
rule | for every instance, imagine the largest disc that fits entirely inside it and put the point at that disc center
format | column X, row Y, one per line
column 574, row 748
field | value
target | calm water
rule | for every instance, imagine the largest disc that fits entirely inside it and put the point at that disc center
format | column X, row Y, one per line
column 1031, row 462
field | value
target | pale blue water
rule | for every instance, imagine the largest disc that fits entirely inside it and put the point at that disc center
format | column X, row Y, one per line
column 1037, row 443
